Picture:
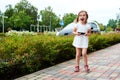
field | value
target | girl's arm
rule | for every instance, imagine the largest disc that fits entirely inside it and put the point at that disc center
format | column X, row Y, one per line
column 88, row 32
column 75, row 31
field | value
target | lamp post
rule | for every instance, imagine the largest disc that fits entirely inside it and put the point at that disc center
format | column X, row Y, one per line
column 38, row 16
column 40, row 19
column 3, row 17
column 50, row 23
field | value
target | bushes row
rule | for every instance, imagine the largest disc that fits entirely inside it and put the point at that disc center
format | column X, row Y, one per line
column 102, row 41
column 20, row 55
column 26, row 54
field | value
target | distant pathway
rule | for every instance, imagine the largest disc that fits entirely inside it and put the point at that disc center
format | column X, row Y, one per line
column 104, row 65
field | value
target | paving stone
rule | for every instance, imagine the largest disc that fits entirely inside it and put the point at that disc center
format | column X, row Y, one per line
column 117, row 79
column 21, row 78
column 103, row 79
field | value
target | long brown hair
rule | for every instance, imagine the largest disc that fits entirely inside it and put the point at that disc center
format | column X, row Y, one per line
column 77, row 19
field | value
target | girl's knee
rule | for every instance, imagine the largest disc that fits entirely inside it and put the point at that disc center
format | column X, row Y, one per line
column 78, row 55
column 84, row 54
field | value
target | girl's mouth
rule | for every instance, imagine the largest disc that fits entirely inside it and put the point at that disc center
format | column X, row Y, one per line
column 82, row 19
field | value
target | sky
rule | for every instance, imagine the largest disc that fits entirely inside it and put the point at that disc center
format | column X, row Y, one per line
column 98, row 10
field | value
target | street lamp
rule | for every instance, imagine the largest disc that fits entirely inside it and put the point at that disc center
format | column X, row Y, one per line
column 3, row 21
column 50, row 23
column 40, row 19
column 38, row 16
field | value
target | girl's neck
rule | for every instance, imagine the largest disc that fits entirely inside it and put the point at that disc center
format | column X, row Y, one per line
column 83, row 23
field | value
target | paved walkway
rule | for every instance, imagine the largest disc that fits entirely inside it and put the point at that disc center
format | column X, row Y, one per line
column 104, row 65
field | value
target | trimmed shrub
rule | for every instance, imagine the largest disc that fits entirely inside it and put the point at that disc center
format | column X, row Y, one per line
column 20, row 55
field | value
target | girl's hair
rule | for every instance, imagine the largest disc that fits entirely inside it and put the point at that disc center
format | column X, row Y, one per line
column 77, row 19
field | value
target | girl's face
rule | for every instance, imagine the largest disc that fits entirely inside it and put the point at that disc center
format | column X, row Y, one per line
column 83, row 17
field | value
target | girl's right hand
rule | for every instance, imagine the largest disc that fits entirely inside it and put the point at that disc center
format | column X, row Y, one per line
column 77, row 33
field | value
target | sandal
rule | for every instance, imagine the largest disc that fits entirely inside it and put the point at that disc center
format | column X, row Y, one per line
column 86, row 68
column 76, row 69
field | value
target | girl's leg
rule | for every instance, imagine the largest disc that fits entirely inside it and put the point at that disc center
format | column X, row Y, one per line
column 84, row 54
column 78, row 54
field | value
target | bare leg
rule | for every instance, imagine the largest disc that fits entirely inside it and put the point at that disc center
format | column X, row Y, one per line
column 78, row 54
column 84, row 53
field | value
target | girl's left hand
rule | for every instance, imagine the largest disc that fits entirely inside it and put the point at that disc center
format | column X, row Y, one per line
column 86, row 34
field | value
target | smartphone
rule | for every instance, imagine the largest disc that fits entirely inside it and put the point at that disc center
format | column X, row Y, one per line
column 81, row 33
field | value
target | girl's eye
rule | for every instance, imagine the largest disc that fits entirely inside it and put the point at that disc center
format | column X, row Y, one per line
column 84, row 15
column 80, row 15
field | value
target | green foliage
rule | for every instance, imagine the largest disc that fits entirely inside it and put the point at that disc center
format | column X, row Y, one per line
column 20, row 19
column 25, row 54
column 97, row 42
column 68, row 18
column 102, row 28
column 118, row 25
column 2, row 34
column 31, row 53
column 102, row 41
column 108, row 28
column 112, row 23
column 29, row 9
column 49, row 17
column 21, row 16
column 24, row 14
column 9, row 11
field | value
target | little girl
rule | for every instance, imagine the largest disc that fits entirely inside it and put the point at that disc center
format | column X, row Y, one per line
column 82, row 30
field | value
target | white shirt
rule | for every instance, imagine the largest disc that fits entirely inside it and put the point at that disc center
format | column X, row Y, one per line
column 82, row 28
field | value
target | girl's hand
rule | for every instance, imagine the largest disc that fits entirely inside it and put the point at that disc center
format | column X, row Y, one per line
column 86, row 34
column 76, row 33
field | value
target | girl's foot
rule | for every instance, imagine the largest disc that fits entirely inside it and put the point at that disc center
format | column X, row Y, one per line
column 76, row 69
column 86, row 68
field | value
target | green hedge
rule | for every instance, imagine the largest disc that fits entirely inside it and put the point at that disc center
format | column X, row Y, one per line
column 26, row 54
column 2, row 34
column 20, row 55
column 97, row 42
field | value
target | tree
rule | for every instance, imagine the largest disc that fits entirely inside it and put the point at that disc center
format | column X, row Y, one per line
column 112, row 23
column 0, row 21
column 102, row 27
column 108, row 28
column 0, row 16
column 28, row 8
column 20, row 20
column 9, row 11
column 68, row 18
column 21, row 16
column 118, row 25
column 49, row 18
